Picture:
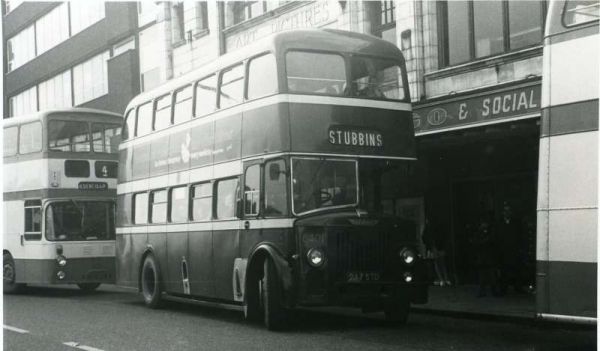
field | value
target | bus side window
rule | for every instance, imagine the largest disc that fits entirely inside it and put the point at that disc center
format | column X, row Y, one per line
column 206, row 96
column 202, row 202
column 262, row 76
column 231, row 87
column 159, row 206
column 183, row 105
column 178, row 204
column 30, row 138
column 10, row 141
column 144, row 119
column 252, row 190
column 162, row 114
column 140, row 206
column 226, row 198
column 275, row 189
column 33, row 220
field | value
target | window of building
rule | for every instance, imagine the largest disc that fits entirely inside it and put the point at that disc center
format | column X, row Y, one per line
column 262, row 76
column 206, row 96
column 183, row 105
column 226, row 198
column 202, row 202
column 30, row 138
column 275, row 188
column 231, row 89
column 179, row 204
column 23, row 103
column 147, row 12
column 55, row 92
column 140, row 213
column 201, row 9
column 177, row 22
column 85, row 13
column 162, row 114
column 152, row 53
column 33, row 220
column 384, row 20
column 10, row 141
column 159, row 206
column 52, row 29
column 144, row 119
column 90, row 78
column 70, row 136
column 252, row 190
column 20, row 49
column 240, row 11
column 311, row 72
column 581, row 11
column 471, row 30
column 106, row 137
column 123, row 46
column 10, row 5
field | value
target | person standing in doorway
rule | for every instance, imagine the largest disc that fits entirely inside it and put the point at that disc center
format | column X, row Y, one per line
column 435, row 247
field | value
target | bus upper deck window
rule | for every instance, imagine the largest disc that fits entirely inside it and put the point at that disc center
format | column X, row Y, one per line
column 581, row 11
column 144, row 119
column 231, row 89
column 262, row 76
column 105, row 137
column 206, row 96
column 311, row 72
column 129, row 126
column 376, row 78
column 30, row 138
column 71, row 136
column 10, row 141
column 182, row 110
column 162, row 114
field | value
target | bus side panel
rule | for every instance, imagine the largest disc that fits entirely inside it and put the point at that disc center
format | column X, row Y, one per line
column 14, row 213
column 126, row 276
column 225, row 251
column 265, row 130
column 227, row 138
column 201, row 144
column 159, row 156
column 177, row 252
column 141, row 161
column 200, row 262
column 158, row 243
column 138, row 247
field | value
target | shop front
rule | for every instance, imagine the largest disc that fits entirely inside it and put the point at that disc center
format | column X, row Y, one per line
column 479, row 156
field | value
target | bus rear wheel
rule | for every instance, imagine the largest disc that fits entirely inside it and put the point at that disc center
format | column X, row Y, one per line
column 150, row 281
column 10, row 274
column 271, row 297
column 88, row 286
column 397, row 311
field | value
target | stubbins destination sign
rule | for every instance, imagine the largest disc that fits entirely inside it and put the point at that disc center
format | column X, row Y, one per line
column 349, row 136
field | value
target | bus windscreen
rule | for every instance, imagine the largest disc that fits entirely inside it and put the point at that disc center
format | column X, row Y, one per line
column 80, row 221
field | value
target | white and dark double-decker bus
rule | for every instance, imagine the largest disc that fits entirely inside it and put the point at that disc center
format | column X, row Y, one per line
column 60, row 178
column 276, row 177
column 567, row 226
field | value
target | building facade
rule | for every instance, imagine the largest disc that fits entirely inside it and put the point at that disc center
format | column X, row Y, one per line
column 474, row 72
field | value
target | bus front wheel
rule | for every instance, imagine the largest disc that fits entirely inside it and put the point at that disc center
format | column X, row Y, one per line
column 271, row 296
column 10, row 274
column 397, row 311
column 88, row 286
column 150, row 281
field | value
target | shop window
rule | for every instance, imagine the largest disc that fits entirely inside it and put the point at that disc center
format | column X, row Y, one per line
column 159, row 206
column 262, row 76
column 202, row 202
column 179, row 204
column 471, row 30
column 140, row 212
column 252, row 191
column 206, row 96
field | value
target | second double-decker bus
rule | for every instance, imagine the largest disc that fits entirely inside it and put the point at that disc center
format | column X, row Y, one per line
column 567, row 221
column 274, row 178
column 60, row 170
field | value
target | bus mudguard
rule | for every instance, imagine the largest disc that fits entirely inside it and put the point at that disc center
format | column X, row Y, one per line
column 284, row 270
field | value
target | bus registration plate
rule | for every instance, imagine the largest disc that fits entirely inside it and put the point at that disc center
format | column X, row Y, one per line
column 355, row 277
column 93, row 186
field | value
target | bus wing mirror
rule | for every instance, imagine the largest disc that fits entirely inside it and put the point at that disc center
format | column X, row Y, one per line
column 274, row 171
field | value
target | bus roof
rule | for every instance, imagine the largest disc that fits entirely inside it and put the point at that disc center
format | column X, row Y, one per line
column 36, row 116
column 333, row 40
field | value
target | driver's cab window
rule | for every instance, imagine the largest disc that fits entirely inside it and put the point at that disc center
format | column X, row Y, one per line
column 33, row 220
column 275, row 189
column 252, row 190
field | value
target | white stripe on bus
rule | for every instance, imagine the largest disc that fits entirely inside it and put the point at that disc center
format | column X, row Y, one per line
column 268, row 223
column 81, row 347
column 15, row 329
column 271, row 100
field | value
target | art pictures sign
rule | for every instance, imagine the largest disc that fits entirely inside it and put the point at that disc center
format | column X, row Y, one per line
column 507, row 103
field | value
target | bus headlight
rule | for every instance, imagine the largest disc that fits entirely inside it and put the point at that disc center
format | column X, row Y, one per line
column 61, row 275
column 408, row 277
column 61, row 260
column 408, row 256
column 315, row 257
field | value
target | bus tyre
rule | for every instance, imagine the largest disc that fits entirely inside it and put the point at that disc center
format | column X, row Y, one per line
column 10, row 274
column 271, row 294
column 88, row 286
column 150, row 281
column 397, row 311
column 253, row 310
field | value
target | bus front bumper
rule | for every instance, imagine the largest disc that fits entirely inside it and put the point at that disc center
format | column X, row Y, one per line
column 76, row 270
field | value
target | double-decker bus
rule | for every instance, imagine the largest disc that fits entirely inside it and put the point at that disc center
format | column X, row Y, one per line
column 567, row 225
column 60, row 170
column 280, row 176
